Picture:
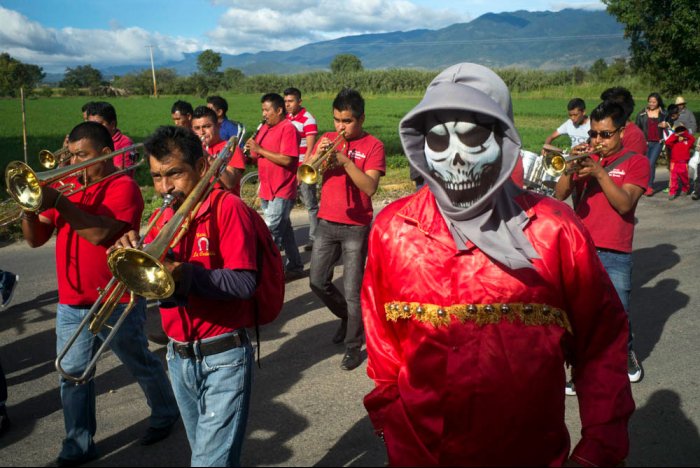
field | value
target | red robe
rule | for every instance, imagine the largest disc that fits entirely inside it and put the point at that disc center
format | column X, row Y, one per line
column 469, row 357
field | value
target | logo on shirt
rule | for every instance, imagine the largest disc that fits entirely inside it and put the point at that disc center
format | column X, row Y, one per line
column 202, row 244
column 355, row 155
column 617, row 173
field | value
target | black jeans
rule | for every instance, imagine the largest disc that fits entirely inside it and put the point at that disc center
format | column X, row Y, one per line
column 3, row 387
column 334, row 240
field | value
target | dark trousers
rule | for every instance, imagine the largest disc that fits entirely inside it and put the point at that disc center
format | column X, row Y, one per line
column 333, row 241
column 3, row 387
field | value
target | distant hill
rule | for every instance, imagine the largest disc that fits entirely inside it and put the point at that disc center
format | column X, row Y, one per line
column 539, row 40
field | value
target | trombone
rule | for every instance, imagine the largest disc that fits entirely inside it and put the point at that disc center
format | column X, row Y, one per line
column 50, row 159
column 140, row 270
column 309, row 172
column 25, row 186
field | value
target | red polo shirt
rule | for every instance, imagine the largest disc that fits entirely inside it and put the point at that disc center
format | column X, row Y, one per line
column 341, row 200
column 607, row 227
column 122, row 141
column 634, row 139
column 277, row 181
column 81, row 267
column 220, row 236
column 237, row 161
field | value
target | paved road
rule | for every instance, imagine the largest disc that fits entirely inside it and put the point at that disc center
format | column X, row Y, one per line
column 306, row 411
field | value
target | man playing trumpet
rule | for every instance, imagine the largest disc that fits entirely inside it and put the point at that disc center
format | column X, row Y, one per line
column 608, row 186
column 86, row 223
column 352, row 177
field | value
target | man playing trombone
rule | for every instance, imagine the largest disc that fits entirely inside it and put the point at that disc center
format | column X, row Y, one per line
column 214, row 268
column 86, row 223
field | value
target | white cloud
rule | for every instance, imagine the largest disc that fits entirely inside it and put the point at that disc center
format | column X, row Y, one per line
column 56, row 49
column 273, row 25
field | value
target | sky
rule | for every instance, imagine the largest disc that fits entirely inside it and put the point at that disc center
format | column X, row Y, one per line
column 56, row 34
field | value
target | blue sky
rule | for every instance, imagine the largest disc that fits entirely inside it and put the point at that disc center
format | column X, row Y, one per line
column 56, row 34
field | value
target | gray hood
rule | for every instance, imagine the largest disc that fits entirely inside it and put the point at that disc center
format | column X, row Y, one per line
column 494, row 223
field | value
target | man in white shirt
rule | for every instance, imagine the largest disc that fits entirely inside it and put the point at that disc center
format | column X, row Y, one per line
column 576, row 127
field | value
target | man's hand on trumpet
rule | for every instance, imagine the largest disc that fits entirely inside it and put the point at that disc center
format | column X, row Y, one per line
column 587, row 166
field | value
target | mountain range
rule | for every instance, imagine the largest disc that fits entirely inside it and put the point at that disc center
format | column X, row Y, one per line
column 537, row 40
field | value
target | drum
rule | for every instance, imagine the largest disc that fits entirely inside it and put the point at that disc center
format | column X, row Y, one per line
column 530, row 162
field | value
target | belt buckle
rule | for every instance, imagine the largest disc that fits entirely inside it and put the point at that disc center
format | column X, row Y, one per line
column 185, row 351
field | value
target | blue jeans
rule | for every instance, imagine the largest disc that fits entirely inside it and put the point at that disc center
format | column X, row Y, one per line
column 619, row 268
column 653, row 151
column 334, row 240
column 131, row 347
column 310, row 199
column 213, row 393
column 276, row 213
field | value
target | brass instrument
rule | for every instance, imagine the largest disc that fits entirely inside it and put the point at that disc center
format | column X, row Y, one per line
column 140, row 270
column 555, row 160
column 25, row 186
column 309, row 172
column 50, row 159
column 246, row 151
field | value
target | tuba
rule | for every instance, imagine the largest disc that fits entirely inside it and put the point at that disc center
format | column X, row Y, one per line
column 309, row 172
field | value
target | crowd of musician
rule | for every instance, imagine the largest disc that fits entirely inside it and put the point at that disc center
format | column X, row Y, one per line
column 210, row 310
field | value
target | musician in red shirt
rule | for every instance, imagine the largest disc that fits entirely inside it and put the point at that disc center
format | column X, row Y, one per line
column 214, row 266
column 106, row 115
column 345, row 215
column 86, row 223
column 206, row 127
column 276, row 149
column 477, row 292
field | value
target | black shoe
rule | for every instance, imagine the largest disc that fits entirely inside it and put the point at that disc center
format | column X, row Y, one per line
column 60, row 461
column 695, row 196
column 352, row 359
column 8, row 289
column 156, row 434
column 293, row 275
column 309, row 247
column 5, row 423
column 339, row 336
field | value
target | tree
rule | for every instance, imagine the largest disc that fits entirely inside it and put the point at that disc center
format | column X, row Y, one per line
column 82, row 76
column 209, row 62
column 15, row 74
column 233, row 79
column 346, row 63
column 664, row 40
column 598, row 68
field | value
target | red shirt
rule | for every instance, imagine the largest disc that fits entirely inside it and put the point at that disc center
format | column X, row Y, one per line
column 305, row 123
column 609, row 229
column 634, row 139
column 277, row 181
column 341, row 200
column 220, row 236
column 122, row 141
column 680, row 150
column 81, row 267
column 237, row 161
column 484, row 387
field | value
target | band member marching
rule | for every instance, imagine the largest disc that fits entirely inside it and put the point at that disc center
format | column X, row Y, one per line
column 86, row 223
column 345, row 214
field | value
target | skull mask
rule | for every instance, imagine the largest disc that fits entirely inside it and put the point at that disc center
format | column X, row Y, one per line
column 463, row 152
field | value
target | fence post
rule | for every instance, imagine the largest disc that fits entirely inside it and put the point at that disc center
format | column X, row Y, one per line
column 24, row 124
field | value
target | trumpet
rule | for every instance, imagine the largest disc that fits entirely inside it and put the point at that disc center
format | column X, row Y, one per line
column 309, row 172
column 25, row 186
column 246, row 150
column 50, row 159
column 140, row 270
column 555, row 160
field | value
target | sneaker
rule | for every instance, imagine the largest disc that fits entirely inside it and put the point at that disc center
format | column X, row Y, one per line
column 352, row 359
column 634, row 368
column 695, row 196
column 8, row 289
column 570, row 388
column 649, row 192
column 666, row 190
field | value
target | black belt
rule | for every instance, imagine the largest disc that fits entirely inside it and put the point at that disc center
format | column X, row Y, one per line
column 226, row 343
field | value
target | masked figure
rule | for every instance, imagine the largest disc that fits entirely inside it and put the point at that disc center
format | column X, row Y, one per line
column 475, row 295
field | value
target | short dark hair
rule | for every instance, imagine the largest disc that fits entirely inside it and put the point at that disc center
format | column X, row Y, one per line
column 87, row 106
column 610, row 109
column 204, row 111
column 183, row 107
column 218, row 102
column 104, row 110
column 350, row 99
column 622, row 96
column 275, row 99
column 294, row 92
column 169, row 138
column 97, row 134
column 672, row 109
column 576, row 103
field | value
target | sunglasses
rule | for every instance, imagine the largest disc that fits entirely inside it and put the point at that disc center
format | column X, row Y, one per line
column 603, row 134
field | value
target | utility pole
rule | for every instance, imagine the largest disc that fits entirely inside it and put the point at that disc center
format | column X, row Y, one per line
column 153, row 72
